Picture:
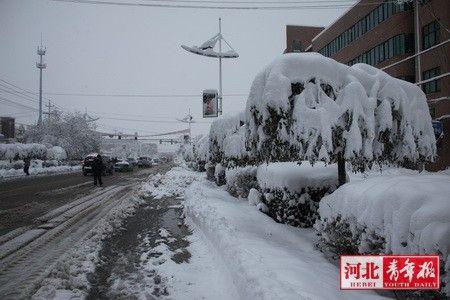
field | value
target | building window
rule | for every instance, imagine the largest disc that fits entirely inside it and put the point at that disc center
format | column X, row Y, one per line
column 296, row 46
column 396, row 45
column 382, row 12
column 431, row 34
column 431, row 86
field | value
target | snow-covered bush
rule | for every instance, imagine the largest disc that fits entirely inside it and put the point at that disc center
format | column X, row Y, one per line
column 389, row 214
column 292, row 192
column 196, row 153
column 224, row 132
column 56, row 153
column 18, row 151
column 309, row 107
column 241, row 180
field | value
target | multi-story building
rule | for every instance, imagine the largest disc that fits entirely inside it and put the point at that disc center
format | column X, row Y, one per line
column 7, row 127
column 384, row 33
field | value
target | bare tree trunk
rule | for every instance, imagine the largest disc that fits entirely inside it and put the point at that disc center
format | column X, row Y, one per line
column 342, row 175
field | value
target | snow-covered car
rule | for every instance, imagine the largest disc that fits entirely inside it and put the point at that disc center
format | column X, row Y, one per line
column 123, row 166
column 144, row 162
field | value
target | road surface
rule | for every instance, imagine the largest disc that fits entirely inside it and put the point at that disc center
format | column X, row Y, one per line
column 23, row 200
column 53, row 214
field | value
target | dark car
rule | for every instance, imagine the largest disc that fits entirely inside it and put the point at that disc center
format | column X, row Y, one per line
column 89, row 159
column 144, row 162
column 132, row 161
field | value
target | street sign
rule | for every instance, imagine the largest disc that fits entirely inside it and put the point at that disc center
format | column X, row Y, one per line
column 210, row 103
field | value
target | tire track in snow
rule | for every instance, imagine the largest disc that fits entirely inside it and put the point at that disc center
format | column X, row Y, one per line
column 23, row 268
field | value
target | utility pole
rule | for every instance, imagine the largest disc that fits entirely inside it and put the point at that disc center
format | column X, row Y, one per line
column 417, row 42
column 49, row 106
column 40, row 65
column 220, row 71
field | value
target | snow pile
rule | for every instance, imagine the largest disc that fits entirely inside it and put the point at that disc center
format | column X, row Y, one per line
column 241, row 180
column 292, row 192
column 265, row 260
column 306, row 106
column 38, row 170
column 201, row 277
column 171, row 184
column 390, row 214
column 18, row 151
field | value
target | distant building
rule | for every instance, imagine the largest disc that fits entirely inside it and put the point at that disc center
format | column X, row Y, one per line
column 123, row 148
column 7, row 127
column 382, row 33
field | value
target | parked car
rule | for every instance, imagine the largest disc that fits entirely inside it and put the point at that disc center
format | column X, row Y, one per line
column 108, row 162
column 89, row 159
column 123, row 166
column 144, row 162
column 132, row 161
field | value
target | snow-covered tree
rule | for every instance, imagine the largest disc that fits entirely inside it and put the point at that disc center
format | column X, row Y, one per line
column 72, row 131
column 309, row 107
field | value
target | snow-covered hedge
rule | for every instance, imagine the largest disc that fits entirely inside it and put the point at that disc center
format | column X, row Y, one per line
column 227, row 139
column 309, row 107
column 18, row 151
column 389, row 214
column 196, row 153
column 241, row 180
column 292, row 192
column 56, row 153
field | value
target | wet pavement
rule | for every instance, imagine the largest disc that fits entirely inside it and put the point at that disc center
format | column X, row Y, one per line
column 125, row 268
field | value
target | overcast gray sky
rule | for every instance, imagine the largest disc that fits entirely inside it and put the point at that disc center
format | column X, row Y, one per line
column 135, row 50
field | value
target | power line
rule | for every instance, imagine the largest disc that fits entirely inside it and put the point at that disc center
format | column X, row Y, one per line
column 17, row 103
column 23, row 91
column 149, row 121
column 137, row 95
column 17, row 94
column 253, row 2
column 139, row 4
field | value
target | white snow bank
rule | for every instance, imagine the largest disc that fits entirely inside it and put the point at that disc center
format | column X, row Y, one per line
column 295, row 177
column 171, row 184
column 266, row 260
column 13, row 173
column 411, row 212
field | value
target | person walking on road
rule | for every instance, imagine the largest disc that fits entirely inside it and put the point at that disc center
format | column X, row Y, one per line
column 26, row 165
column 97, row 169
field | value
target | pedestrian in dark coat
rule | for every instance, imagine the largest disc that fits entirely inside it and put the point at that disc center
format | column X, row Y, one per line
column 26, row 165
column 97, row 169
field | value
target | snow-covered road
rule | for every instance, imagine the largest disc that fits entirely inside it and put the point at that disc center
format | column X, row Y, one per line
column 27, row 258
column 69, row 236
